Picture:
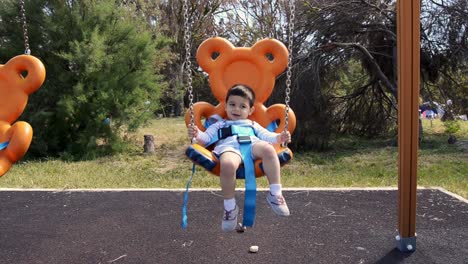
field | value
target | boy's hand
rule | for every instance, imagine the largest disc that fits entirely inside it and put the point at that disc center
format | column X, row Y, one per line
column 285, row 136
column 192, row 131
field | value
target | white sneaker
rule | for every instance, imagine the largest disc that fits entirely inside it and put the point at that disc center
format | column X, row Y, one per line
column 230, row 220
column 278, row 204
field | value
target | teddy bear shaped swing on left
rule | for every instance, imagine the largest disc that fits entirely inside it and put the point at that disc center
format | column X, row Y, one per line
column 19, row 77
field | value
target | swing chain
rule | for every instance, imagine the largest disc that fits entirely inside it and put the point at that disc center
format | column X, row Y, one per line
column 188, row 63
column 292, row 8
column 25, row 28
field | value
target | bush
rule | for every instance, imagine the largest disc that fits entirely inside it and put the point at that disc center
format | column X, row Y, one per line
column 451, row 127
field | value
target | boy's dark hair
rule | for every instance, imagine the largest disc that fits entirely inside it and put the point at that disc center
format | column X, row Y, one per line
column 243, row 91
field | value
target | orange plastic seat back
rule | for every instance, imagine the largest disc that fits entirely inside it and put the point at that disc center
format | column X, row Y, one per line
column 255, row 66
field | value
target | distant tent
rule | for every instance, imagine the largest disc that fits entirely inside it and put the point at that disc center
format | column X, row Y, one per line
column 429, row 114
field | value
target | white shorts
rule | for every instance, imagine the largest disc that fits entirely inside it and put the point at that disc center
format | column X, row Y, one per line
column 231, row 145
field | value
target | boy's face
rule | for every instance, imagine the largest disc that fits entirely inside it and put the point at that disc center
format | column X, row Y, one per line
column 238, row 108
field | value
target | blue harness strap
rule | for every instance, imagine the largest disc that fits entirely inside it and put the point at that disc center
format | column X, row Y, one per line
column 184, row 223
column 231, row 130
column 250, row 181
column 3, row 145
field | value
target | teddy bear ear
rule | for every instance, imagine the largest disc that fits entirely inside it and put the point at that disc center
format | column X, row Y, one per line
column 26, row 72
column 212, row 52
column 274, row 54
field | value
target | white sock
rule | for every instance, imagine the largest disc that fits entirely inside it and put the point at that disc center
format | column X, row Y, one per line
column 229, row 204
column 275, row 189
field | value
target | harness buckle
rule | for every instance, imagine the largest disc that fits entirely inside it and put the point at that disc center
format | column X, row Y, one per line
column 224, row 132
column 244, row 139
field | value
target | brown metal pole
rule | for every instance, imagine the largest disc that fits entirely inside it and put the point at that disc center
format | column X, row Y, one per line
column 408, row 33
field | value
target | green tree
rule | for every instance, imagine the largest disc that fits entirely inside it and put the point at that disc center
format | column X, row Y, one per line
column 102, row 66
column 201, row 26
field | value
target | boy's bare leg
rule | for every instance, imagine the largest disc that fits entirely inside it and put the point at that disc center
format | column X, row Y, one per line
column 229, row 162
column 271, row 166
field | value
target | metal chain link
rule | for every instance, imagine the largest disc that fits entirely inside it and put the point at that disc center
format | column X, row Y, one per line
column 188, row 63
column 292, row 16
column 25, row 28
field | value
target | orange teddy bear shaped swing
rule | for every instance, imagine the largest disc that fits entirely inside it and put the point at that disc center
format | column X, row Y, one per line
column 256, row 67
column 14, row 90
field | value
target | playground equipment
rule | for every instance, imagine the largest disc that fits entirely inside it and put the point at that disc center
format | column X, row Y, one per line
column 256, row 67
column 247, row 66
column 408, row 31
column 19, row 77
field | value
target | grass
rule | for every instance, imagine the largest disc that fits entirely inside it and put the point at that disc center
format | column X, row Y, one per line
column 352, row 163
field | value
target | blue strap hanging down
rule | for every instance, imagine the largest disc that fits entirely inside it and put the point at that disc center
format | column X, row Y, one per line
column 184, row 205
column 250, row 181
column 3, row 145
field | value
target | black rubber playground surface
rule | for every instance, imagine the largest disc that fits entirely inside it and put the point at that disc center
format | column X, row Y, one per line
column 356, row 226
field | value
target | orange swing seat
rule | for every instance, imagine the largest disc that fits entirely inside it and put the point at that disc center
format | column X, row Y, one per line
column 256, row 67
column 15, row 138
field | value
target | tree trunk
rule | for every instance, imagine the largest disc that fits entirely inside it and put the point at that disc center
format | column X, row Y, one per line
column 148, row 147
